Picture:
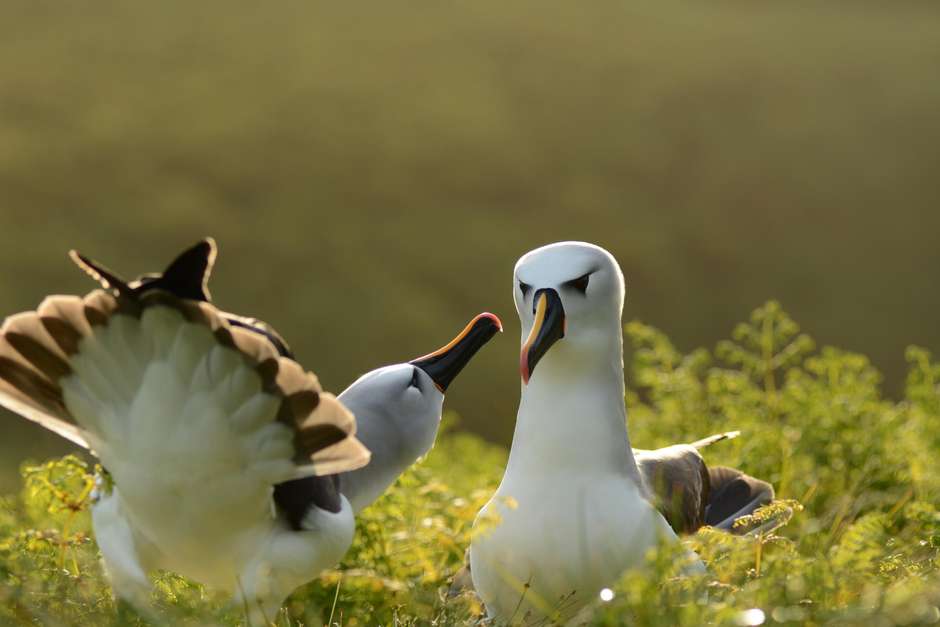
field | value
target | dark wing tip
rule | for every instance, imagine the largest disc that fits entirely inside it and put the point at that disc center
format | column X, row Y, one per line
column 296, row 497
column 187, row 276
column 733, row 495
column 678, row 479
column 98, row 272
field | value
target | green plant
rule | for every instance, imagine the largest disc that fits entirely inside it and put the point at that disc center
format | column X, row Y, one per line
column 855, row 473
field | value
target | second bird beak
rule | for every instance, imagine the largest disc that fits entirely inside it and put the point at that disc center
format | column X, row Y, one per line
column 444, row 364
column 547, row 328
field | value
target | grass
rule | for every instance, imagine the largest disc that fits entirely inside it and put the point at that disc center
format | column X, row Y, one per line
column 859, row 471
column 372, row 174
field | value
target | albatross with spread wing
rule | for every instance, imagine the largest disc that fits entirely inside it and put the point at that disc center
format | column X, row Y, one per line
column 198, row 415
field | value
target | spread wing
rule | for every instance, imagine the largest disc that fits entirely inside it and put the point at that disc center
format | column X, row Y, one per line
column 156, row 374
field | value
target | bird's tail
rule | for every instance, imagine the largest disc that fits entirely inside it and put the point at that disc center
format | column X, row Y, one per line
column 718, row 437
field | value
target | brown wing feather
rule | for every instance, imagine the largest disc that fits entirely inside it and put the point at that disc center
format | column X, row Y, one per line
column 324, row 427
column 336, row 455
column 34, row 351
column 64, row 319
column 31, row 362
column 35, row 348
column 29, row 337
column 98, row 306
column 26, row 384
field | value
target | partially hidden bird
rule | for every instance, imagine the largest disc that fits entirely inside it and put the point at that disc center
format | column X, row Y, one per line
column 691, row 494
column 197, row 415
column 398, row 410
column 577, row 506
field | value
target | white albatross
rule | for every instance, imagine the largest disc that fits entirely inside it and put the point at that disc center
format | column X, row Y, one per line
column 197, row 415
column 398, row 412
column 583, row 508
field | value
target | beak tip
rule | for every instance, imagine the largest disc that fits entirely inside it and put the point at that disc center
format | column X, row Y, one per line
column 444, row 364
column 492, row 318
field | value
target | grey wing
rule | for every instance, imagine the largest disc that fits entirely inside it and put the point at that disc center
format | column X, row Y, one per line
column 677, row 479
column 734, row 494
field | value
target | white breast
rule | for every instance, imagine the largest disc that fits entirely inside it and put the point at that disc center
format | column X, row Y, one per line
column 568, row 537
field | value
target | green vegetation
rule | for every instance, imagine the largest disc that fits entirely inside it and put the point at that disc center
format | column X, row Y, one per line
column 372, row 172
column 862, row 547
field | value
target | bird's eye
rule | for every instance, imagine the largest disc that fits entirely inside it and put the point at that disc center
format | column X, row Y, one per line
column 580, row 284
column 414, row 379
column 525, row 288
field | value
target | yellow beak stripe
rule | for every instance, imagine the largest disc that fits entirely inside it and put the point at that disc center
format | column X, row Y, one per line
column 540, row 308
column 450, row 344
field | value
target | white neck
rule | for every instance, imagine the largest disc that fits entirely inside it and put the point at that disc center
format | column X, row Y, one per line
column 395, row 443
column 572, row 414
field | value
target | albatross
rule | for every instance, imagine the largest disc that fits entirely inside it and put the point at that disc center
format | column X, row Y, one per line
column 198, row 415
column 577, row 506
column 398, row 411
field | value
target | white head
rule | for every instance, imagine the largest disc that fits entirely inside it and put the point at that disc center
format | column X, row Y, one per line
column 398, row 409
column 399, row 404
column 569, row 297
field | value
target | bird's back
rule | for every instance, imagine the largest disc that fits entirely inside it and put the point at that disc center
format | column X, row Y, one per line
column 183, row 426
column 196, row 420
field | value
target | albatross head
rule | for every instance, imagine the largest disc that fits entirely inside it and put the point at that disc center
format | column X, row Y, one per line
column 407, row 398
column 398, row 409
column 398, row 399
column 569, row 297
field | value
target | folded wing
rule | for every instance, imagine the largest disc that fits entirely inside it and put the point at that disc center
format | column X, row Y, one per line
column 690, row 494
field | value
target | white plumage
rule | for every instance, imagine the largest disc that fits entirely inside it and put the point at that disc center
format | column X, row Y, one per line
column 581, row 515
column 183, row 427
column 398, row 409
column 197, row 416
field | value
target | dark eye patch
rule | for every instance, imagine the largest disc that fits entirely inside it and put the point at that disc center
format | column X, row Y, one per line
column 414, row 383
column 525, row 288
column 580, row 283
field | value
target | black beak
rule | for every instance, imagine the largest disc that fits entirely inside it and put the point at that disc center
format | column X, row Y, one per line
column 548, row 328
column 444, row 364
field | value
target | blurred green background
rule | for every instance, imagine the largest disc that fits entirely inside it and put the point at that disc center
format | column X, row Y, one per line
column 373, row 172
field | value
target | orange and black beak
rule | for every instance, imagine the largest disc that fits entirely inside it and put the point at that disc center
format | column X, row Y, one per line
column 444, row 364
column 548, row 328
